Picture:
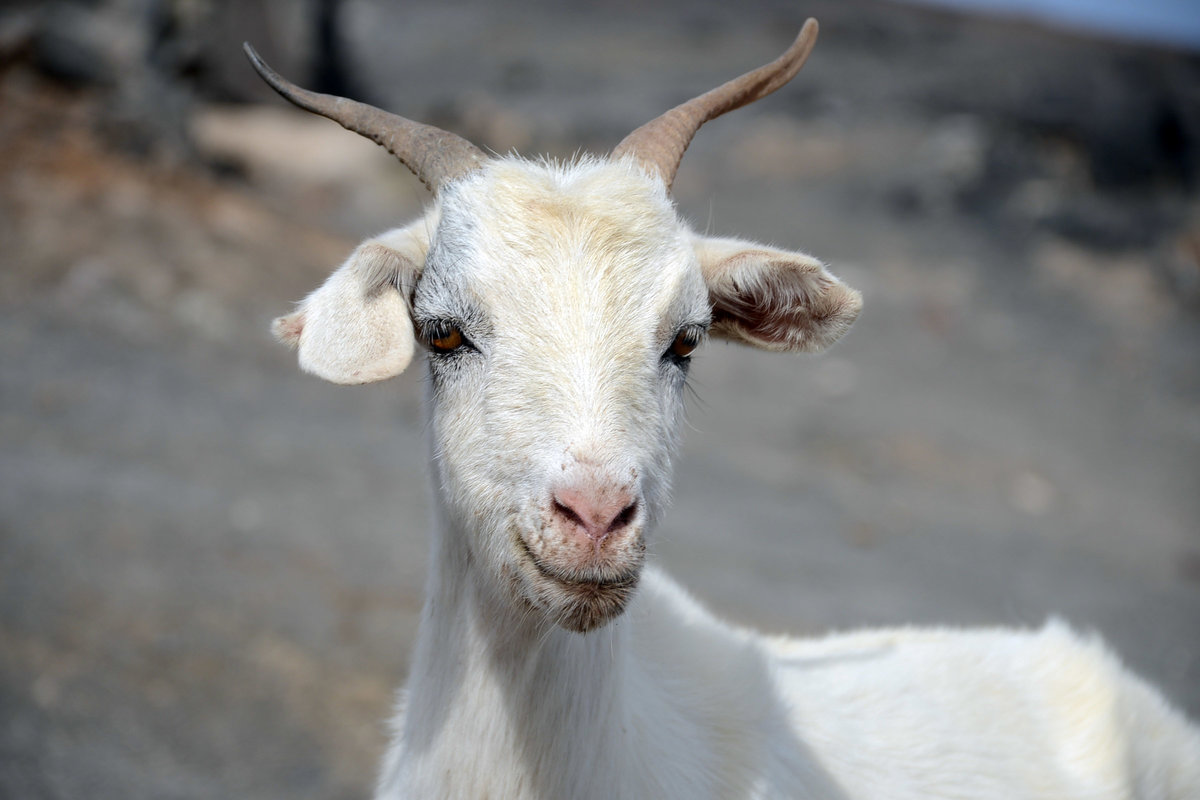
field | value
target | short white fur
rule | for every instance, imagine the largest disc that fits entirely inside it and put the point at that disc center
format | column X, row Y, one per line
column 553, row 664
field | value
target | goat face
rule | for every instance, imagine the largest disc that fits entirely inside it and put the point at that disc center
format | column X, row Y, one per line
column 559, row 305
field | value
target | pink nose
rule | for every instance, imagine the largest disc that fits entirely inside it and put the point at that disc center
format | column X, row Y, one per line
column 597, row 513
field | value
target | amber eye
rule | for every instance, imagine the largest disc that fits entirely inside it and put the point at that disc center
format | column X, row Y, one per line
column 446, row 340
column 684, row 344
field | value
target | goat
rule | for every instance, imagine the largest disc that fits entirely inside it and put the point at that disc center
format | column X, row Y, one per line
column 559, row 304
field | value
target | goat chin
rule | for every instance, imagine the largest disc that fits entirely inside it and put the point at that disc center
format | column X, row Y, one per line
column 582, row 603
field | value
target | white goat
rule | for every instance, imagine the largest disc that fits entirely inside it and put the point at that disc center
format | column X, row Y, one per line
column 559, row 304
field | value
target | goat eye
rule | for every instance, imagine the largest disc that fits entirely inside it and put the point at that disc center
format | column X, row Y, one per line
column 446, row 340
column 685, row 342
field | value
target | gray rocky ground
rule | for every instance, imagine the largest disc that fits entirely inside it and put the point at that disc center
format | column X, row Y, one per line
column 211, row 566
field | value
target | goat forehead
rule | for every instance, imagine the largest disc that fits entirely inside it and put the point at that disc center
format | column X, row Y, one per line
column 592, row 247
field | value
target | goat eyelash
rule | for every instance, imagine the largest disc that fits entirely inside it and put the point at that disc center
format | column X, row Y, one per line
column 686, row 340
column 445, row 337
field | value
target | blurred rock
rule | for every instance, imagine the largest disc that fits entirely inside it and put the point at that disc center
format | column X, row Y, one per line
column 157, row 58
column 1183, row 262
column 84, row 45
column 329, row 174
column 1123, row 290
column 280, row 143
column 785, row 149
column 946, row 164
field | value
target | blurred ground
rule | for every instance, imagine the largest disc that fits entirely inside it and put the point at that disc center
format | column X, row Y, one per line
column 211, row 566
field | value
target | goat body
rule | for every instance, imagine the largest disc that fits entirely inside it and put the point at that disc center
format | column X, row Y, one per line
column 559, row 305
column 668, row 702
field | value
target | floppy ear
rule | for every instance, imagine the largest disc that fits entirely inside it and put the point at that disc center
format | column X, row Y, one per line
column 774, row 299
column 356, row 328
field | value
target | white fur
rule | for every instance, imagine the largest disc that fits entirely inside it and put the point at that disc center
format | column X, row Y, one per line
column 538, row 671
column 668, row 702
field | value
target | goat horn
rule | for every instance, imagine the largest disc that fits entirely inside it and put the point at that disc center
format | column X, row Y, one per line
column 659, row 144
column 435, row 156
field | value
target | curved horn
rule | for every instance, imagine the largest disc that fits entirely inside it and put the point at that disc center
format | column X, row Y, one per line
column 659, row 144
column 435, row 156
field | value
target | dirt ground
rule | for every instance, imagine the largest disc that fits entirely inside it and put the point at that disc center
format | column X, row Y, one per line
column 211, row 566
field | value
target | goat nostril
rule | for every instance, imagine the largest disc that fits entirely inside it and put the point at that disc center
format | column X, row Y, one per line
column 569, row 513
column 624, row 518
column 596, row 515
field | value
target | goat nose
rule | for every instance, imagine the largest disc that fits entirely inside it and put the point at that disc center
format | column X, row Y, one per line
column 597, row 513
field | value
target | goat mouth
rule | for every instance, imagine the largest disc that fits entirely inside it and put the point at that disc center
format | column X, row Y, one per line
column 579, row 602
column 594, row 580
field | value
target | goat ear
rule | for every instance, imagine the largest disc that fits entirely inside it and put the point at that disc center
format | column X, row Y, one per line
column 356, row 328
column 774, row 299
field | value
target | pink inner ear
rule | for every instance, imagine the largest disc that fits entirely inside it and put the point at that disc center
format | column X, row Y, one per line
column 770, row 311
column 784, row 308
column 288, row 329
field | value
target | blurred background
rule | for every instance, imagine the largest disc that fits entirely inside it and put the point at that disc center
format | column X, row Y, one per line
column 211, row 566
